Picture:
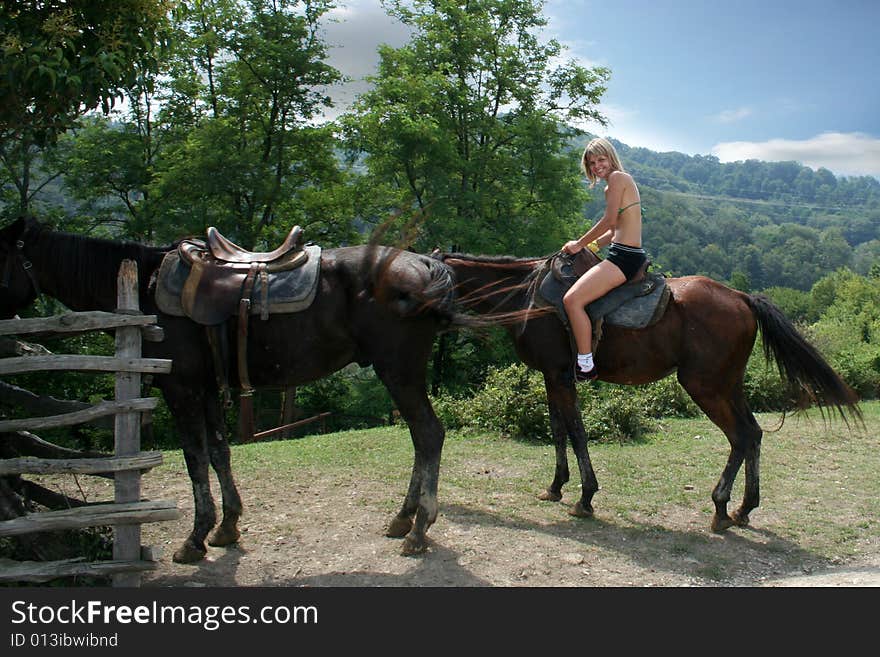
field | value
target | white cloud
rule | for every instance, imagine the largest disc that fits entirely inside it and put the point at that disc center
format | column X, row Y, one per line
column 847, row 154
column 733, row 115
column 353, row 34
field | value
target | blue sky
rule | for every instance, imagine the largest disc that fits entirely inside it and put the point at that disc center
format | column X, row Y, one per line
column 770, row 80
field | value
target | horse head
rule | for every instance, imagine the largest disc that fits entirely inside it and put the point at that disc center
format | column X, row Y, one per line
column 18, row 283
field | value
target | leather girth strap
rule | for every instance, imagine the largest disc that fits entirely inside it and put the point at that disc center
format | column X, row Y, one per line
column 220, row 351
column 247, row 426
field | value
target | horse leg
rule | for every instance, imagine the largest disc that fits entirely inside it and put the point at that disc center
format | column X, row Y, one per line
column 191, row 427
column 561, row 474
column 419, row 510
column 589, row 484
column 730, row 413
column 227, row 531
column 752, row 493
column 402, row 523
column 562, row 395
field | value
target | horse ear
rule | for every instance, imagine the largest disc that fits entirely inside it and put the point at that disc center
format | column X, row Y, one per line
column 14, row 230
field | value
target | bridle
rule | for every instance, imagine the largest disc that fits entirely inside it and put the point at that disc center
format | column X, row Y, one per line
column 14, row 255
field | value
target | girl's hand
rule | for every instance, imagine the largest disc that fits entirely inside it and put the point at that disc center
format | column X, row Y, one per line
column 572, row 247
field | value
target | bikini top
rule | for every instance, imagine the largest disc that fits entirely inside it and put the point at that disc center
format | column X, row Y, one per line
column 620, row 211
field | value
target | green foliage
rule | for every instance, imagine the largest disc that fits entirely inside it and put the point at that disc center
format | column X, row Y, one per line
column 797, row 305
column 234, row 142
column 354, row 396
column 239, row 151
column 665, row 398
column 787, row 186
column 848, row 331
column 462, row 360
column 60, row 58
column 765, row 390
column 466, row 122
column 615, row 415
column 859, row 366
column 512, row 401
column 771, row 223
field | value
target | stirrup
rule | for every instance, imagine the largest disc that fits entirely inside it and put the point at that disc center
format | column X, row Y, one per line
column 590, row 375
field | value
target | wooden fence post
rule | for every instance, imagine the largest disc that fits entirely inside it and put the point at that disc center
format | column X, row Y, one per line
column 127, row 513
column 127, row 538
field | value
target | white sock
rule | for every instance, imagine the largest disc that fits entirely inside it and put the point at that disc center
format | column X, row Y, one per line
column 585, row 362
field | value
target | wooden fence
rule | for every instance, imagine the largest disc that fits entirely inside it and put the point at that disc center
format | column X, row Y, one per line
column 127, row 512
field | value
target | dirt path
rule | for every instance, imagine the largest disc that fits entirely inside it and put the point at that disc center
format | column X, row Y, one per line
column 316, row 534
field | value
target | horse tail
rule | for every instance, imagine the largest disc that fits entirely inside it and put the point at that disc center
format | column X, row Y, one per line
column 810, row 377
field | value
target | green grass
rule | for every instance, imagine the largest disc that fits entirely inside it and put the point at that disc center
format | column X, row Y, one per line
column 819, row 487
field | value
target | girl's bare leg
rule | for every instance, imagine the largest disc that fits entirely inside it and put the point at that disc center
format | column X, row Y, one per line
column 597, row 281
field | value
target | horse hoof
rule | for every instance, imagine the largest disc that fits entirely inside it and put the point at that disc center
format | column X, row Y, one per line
column 549, row 496
column 740, row 519
column 580, row 511
column 412, row 547
column 189, row 554
column 399, row 527
column 720, row 523
column 224, row 536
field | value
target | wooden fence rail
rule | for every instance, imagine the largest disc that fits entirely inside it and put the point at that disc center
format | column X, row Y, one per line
column 128, row 511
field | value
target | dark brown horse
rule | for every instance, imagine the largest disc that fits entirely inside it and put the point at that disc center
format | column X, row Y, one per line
column 375, row 306
column 706, row 335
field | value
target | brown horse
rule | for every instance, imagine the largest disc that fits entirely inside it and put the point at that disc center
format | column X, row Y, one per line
column 375, row 306
column 706, row 335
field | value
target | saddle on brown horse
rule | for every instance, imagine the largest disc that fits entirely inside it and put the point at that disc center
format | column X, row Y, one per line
column 215, row 280
column 635, row 304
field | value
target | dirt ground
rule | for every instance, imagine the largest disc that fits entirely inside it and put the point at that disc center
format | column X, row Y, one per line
column 331, row 534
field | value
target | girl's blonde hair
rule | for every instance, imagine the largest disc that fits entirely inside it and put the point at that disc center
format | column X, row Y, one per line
column 600, row 146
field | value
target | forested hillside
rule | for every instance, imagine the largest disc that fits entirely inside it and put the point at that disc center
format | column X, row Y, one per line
column 227, row 125
column 754, row 224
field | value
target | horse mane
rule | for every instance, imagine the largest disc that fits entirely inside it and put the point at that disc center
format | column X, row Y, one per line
column 501, row 262
column 505, row 288
column 92, row 263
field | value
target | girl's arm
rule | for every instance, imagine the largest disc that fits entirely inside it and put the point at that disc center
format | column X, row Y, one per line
column 603, row 230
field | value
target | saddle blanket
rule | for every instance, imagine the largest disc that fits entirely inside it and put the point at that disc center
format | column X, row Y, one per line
column 631, row 305
column 288, row 291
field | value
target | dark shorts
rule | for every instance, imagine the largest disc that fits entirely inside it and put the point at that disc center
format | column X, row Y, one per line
column 628, row 259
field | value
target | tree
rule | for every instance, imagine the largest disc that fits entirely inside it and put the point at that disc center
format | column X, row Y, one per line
column 106, row 169
column 227, row 135
column 465, row 124
column 243, row 101
column 60, row 59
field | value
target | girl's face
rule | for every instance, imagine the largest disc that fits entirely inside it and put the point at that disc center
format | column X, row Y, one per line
column 599, row 165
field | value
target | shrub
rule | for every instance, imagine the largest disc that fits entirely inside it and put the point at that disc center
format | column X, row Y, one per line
column 852, row 347
column 860, row 368
column 450, row 411
column 615, row 414
column 512, row 401
column 764, row 387
column 666, row 398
